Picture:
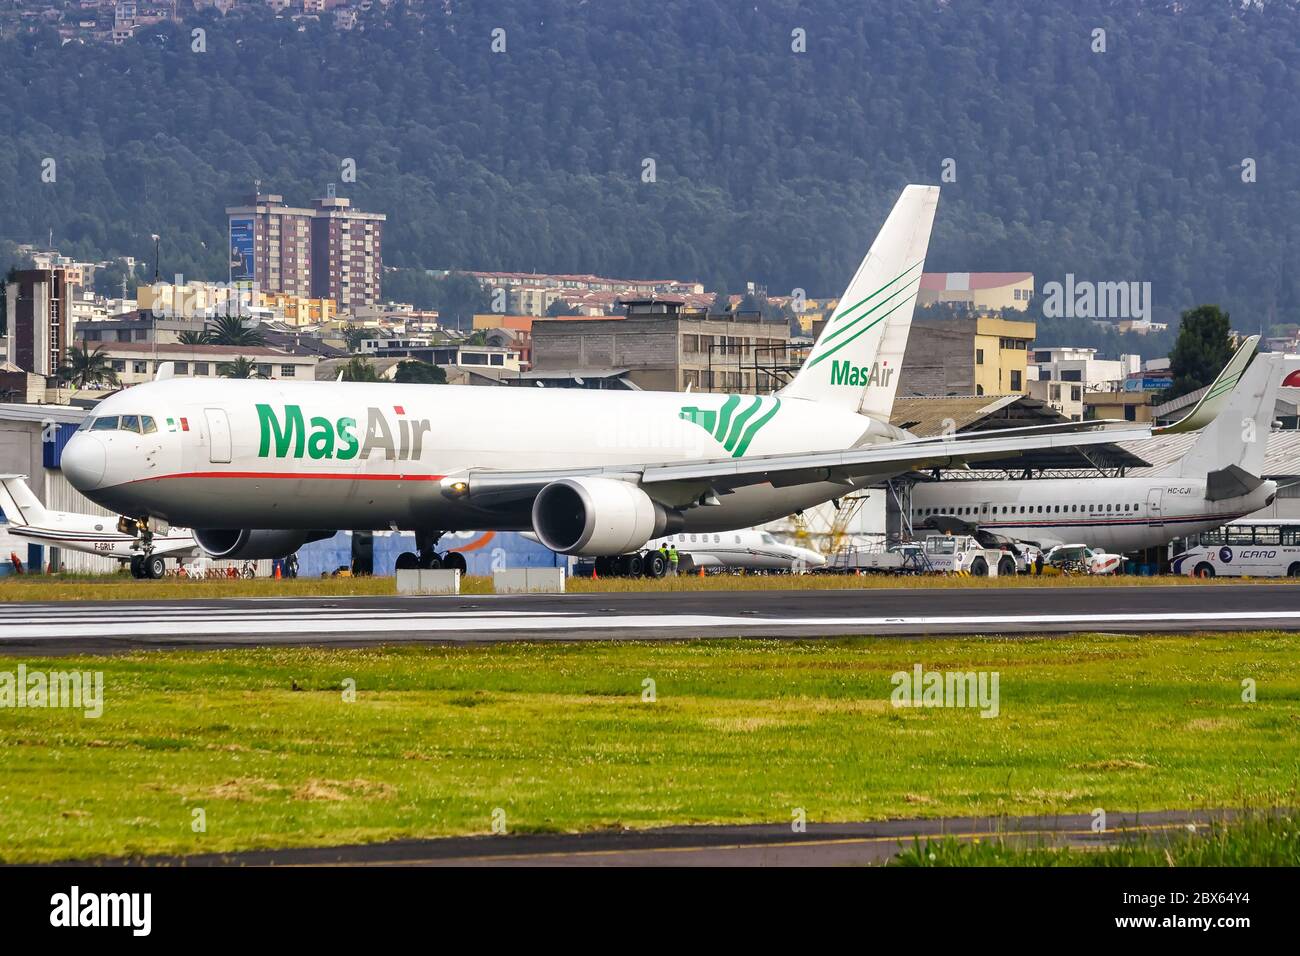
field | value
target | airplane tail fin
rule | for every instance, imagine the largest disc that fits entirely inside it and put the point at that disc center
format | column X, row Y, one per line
column 19, row 504
column 1237, row 439
column 856, row 361
column 1218, row 394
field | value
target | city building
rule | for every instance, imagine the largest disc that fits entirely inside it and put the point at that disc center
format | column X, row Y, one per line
column 660, row 345
column 328, row 251
column 978, row 291
column 271, row 246
column 189, row 300
column 38, row 314
column 1061, row 376
column 347, row 253
column 138, row 362
column 976, row 355
column 1131, row 406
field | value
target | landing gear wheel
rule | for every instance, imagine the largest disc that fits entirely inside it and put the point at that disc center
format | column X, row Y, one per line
column 431, row 562
column 137, row 565
column 979, row 568
column 407, row 561
column 1205, row 570
column 656, row 565
column 155, row 567
column 455, row 561
column 603, row 568
column 632, row 565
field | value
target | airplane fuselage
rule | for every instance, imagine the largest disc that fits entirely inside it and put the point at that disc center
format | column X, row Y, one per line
column 275, row 454
column 91, row 534
column 1115, row 514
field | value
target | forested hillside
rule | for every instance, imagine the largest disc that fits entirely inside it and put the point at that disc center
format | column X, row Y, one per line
column 770, row 165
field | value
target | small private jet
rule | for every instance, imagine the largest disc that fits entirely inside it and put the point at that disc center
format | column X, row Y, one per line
column 144, row 549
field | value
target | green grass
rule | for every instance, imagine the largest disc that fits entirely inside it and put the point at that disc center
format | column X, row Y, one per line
column 557, row 736
column 121, row 587
column 1255, row 840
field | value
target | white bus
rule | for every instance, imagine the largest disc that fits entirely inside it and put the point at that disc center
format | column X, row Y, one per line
column 1254, row 547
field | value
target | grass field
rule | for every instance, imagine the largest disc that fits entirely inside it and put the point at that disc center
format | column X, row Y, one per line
column 559, row 738
column 1256, row 840
column 121, row 587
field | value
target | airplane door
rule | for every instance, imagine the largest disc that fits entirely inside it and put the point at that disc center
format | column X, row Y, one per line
column 1155, row 516
column 218, row 435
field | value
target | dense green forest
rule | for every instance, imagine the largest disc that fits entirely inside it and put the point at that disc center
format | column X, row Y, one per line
column 770, row 165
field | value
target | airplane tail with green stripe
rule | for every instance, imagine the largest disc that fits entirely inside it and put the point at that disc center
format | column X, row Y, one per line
column 1237, row 438
column 858, row 357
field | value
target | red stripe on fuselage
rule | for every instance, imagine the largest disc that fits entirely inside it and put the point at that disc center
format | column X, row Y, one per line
column 299, row 476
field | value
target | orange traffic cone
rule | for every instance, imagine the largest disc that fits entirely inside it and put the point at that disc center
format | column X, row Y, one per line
column 277, row 570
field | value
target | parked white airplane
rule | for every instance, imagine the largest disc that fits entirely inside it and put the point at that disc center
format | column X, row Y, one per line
column 1216, row 481
column 260, row 467
column 747, row 549
column 29, row 520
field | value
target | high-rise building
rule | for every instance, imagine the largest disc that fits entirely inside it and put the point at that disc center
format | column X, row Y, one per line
column 38, row 309
column 271, row 246
column 330, row 251
column 347, row 259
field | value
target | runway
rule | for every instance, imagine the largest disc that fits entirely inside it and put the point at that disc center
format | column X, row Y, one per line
column 108, row 626
column 820, row 844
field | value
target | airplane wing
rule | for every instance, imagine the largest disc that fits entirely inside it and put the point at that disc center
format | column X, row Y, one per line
column 689, row 482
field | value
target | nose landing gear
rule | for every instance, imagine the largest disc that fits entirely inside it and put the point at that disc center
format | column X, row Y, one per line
column 146, row 564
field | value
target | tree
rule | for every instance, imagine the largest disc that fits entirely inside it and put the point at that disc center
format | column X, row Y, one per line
column 353, row 335
column 557, row 308
column 1202, row 350
column 239, row 368
column 420, row 373
column 190, row 337
column 358, row 369
column 83, row 368
column 230, row 330
column 477, row 337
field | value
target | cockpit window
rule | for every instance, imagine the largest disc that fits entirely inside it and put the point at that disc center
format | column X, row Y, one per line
column 140, row 424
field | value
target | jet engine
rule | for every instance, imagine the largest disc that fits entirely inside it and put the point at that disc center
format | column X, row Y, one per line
column 247, row 544
column 599, row 516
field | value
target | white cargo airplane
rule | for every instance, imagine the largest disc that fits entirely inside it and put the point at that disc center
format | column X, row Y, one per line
column 1217, row 481
column 29, row 521
column 258, row 468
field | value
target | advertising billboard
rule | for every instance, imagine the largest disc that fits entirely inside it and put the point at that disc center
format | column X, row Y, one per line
column 241, row 251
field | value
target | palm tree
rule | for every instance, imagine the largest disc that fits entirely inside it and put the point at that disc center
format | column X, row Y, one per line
column 359, row 370
column 239, row 368
column 83, row 368
column 189, row 337
column 230, row 330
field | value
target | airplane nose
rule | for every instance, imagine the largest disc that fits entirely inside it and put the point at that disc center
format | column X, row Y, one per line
column 83, row 462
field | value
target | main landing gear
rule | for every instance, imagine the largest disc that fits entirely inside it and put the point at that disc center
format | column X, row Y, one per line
column 427, row 557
